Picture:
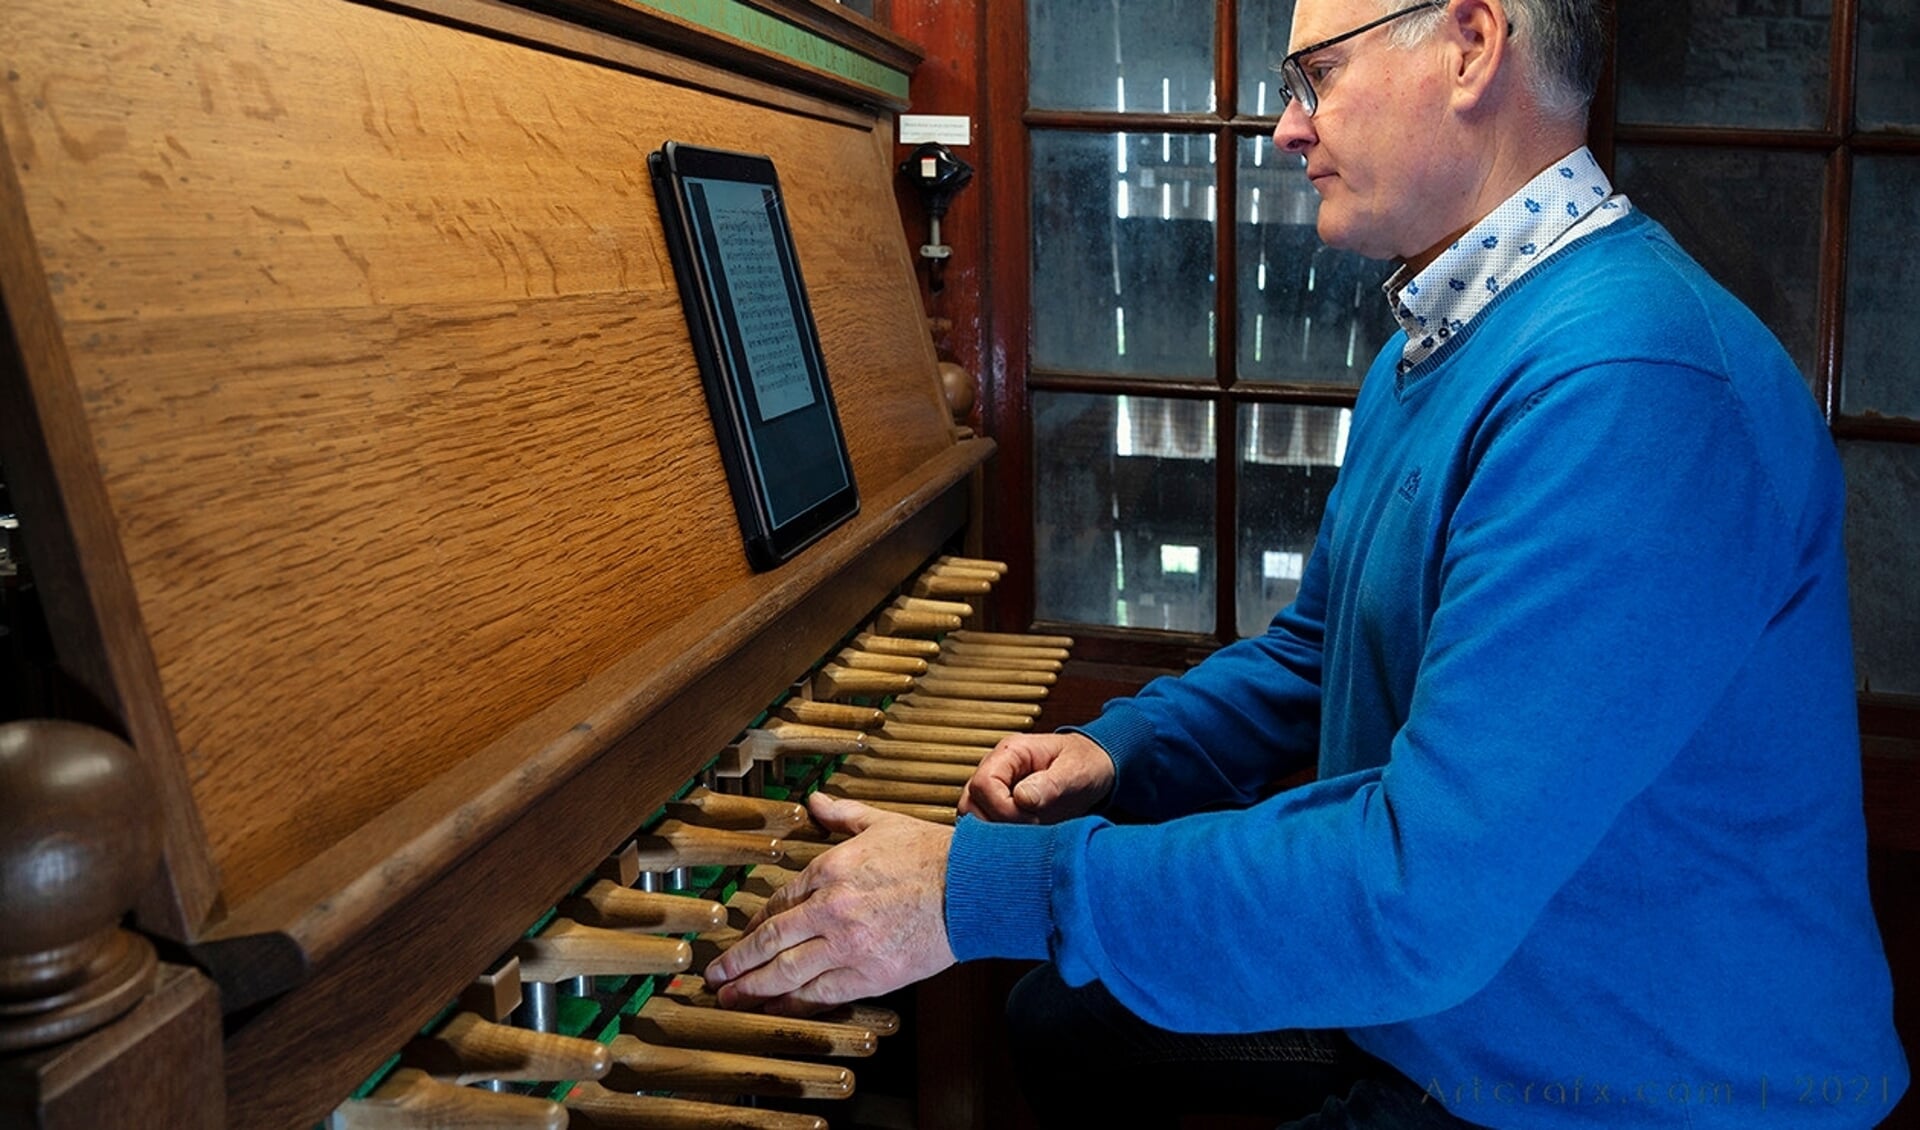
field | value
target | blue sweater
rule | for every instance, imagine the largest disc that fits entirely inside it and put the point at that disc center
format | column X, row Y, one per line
column 1572, row 651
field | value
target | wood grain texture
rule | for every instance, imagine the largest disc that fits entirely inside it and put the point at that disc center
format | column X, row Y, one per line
column 387, row 382
column 90, row 608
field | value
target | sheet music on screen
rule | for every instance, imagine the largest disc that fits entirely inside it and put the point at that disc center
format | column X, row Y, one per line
column 757, row 293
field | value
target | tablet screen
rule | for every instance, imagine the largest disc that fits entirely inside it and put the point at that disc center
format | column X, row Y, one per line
column 758, row 350
column 762, row 310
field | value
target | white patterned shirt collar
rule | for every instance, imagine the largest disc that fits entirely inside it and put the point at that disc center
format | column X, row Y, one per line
column 1571, row 198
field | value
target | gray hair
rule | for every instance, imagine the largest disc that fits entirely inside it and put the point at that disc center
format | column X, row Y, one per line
column 1562, row 42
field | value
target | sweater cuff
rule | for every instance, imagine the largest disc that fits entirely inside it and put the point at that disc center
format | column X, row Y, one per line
column 1124, row 731
column 1000, row 890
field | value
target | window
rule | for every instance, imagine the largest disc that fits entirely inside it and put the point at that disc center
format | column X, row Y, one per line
column 1191, row 352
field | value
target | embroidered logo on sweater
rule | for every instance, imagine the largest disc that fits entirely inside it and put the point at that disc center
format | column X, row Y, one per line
column 1411, row 486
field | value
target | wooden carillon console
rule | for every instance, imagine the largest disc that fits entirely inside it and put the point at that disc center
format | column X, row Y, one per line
column 360, row 456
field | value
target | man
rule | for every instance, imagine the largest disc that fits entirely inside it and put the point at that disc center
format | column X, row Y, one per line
column 1572, row 652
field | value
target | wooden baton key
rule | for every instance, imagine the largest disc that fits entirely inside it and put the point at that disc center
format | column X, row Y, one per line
column 965, row 719
column 833, row 739
column 951, row 646
column 1027, row 710
column 992, row 675
column 676, row 843
column 410, row 1099
column 907, row 622
column 662, row 1020
column 836, row 681
column 566, row 949
column 840, row 715
column 951, row 583
column 610, row 905
column 947, row 687
column 776, row 739
column 932, row 813
column 802, row 852
column 1012, row 639
column 640, row 1066
column 901, row 769
column 593, row 1107
column 705, row 808
column 943, row 735
column 877, row 661
column 897, row 645
column 689, row 989
column 468, row 1049
column 958, row 608
column 951, row 658
column 928, row 751
column 763, row 879
column 997, row 568
column 870, row 790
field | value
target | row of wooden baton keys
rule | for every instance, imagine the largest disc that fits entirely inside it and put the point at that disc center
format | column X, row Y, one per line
column 950, row 695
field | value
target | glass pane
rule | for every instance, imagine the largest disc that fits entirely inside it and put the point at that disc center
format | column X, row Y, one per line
column 1123, row 511
column 1889, row 95
column 1751, row 217
column 1883, row 275
column 1123, row 253
column 1289, row 455
column 1883, row 561
column 1308, row 313
column 1263, row 29
column 1714, row 63
column 1136, row 55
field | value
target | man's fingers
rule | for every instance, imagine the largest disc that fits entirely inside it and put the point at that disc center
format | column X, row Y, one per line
column 834, row 987
column 1036, row 792
column 839, row 814
column 989, row 792
column 763, row 942
column 789, row 970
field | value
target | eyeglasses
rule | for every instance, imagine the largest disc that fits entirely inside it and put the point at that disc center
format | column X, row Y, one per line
column 1293, row 76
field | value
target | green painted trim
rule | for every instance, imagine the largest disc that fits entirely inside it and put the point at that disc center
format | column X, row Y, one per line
column 771, row 33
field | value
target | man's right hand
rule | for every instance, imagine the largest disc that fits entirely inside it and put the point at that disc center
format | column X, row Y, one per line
column 1039, row 779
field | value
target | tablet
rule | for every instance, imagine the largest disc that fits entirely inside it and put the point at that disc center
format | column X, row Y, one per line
column 758, row 352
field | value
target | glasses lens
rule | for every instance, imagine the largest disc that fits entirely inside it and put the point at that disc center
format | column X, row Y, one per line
column 1294, row 84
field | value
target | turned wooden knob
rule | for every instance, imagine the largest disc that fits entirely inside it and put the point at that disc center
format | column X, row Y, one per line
column 79, row 843
column 957, row 385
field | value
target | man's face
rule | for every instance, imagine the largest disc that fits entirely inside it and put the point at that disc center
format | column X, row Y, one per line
column 1374, row 147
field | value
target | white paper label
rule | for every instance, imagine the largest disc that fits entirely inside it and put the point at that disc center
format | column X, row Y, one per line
column 947, row 129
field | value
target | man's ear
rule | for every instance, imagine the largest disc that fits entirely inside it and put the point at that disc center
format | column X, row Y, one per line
column 1478, row 31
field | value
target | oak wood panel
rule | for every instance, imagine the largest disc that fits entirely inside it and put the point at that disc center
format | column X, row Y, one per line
column 41, row 426
column 386, row 377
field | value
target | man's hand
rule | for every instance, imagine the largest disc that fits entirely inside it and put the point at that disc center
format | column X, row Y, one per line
column 1039, row 779
column 867, row 917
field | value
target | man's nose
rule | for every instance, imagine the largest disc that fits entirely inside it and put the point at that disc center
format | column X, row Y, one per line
column 1294, row 131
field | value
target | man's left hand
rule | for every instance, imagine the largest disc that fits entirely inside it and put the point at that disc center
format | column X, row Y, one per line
column 865, row 918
